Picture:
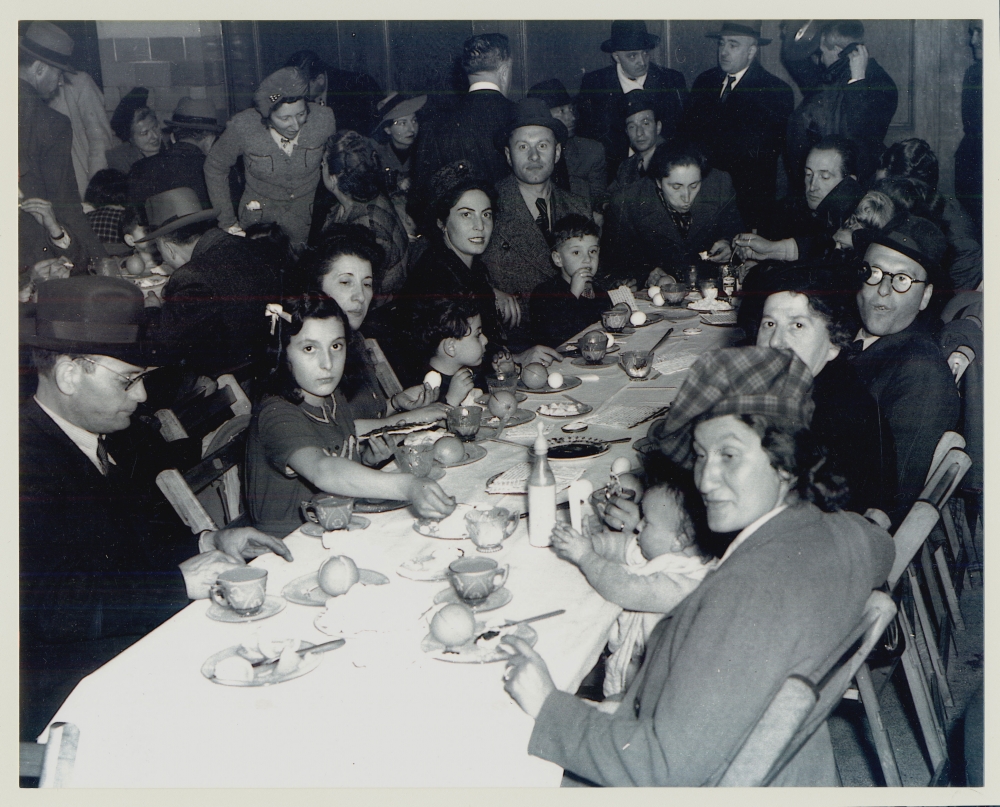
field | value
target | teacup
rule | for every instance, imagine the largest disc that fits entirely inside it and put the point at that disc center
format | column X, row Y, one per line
column 496, row 384
column 616, row 319
column 464, row 421
column 593, row 346
column 240, row 590
column 330, row 511
column 474, row 579
column 416, row 459
column 488, row 528
column 636, row 364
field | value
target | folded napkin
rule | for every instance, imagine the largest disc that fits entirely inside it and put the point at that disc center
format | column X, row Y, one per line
column 515, row 479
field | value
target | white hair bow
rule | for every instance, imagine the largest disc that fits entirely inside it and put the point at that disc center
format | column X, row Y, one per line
column 274, row 310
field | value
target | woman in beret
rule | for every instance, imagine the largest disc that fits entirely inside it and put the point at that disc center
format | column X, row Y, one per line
column 281, row 139
column 791, row 584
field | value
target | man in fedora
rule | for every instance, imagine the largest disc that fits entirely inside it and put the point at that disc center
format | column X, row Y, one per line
column 213, row 304
column 602, row 91
column 586, row 166
column 518, row 257
column 738, row 113
column 195, row 127
column 44, row 136
column 98, row 557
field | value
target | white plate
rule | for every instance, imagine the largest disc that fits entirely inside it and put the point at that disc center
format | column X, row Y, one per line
column 497, row 599
column 484, row 400
column 271, row 606
column 577, row 448
column 305, row 590
column 431, row 565
column 314, row 530
column 569, row 382
column 473, row 453
column 266, row 675
column 584, row 409
column 484, row 652
column 450, row 528
column 710, row 306
column 519, row 417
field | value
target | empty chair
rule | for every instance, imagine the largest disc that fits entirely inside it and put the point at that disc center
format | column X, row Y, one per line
column 52, row 761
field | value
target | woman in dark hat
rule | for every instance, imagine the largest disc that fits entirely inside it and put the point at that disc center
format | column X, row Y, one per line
column 395, row 135
column 137, row 126
column 791, row 584
column 281, row 140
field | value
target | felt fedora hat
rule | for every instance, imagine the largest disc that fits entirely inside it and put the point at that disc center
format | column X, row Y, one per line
column 740, row 28
column 629, row 35
column 173, row 209
column 533, row 112
column 552, row 91
column 98, row 315
column 48, row 43
column 195, row 114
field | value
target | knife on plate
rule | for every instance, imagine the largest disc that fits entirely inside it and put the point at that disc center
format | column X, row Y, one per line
column 316, row 648
column 494, row 632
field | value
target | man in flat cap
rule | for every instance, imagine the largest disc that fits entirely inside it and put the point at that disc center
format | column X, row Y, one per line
column 738, row 113
column 195, row 126
column 44, row 136
column 602, row 91
column 895, row 354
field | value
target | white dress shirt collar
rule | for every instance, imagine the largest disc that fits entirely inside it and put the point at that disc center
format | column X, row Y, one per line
column 736, row 79
column 484, row 85
column 866, row 339
column 749, row 530
column 629, row 84
column 82, row 439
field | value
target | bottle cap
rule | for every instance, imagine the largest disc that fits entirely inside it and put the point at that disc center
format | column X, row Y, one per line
column 541, row 444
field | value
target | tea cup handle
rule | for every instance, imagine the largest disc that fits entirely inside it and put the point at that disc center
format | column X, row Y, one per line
column 217, row 595
column 502, row 573
column 309, row 511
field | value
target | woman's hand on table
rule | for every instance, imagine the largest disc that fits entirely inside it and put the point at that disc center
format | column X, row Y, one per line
column 429, row 500
column 247, row 542
column 526, row 678
column 539, row 354
column 415, row 397
column 622, row 515
column 509, row 308
column 569, row 544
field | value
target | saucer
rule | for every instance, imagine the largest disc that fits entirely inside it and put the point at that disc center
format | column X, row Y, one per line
column 580, row 411
column 498, row 599
column 378, row 505
column 605, row 362
column 569, row 382
column 264, row 676
column 432, row 565
column 449, row 528
column 677, row 314
column 576, row 448
column 519, row 417
column 573, row 349
column 485, row 651
column 305, row 590
column 314, row 530
column 484, row 400
column 473, row 453
column 651, row 319
column 271, row 606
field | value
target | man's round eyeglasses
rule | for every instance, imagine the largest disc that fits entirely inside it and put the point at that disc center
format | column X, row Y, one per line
column 900, row 282
column 130, row 381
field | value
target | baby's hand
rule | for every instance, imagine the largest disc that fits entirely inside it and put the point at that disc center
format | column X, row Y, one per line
column 461, row 385
column 569, row 544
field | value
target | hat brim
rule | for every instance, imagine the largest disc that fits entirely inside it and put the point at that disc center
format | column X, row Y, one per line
column 217, row 128
column 761, row 40
column 141, row 354
column 648, row 42
column 556, row 126
column 402, row 109
column 47, row 58
column 183, row 221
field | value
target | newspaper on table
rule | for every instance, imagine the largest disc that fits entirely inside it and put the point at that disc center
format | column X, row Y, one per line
column 515, row 478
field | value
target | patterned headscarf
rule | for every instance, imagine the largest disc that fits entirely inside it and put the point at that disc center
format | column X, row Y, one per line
column 735, row 381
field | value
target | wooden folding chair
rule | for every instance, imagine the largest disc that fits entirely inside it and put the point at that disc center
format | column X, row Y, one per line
column 922, row 662
column 212, row 485
column 52, row 762
column 383, row 370
column 202, row 416
column 803, row 703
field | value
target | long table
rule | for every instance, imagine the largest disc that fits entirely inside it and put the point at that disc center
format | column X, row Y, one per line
column 378, row 711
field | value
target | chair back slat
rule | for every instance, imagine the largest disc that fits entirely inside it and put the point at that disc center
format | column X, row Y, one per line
column 910, row 536
column 51, row 762
column 948, row 441
column 383, row 370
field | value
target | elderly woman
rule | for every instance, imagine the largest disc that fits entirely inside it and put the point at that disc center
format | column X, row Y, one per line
column 812, row 313
column 137, row 126
column 681, row 208
column 281, row 140
column 351, row 174
column 790, row 586
column 342, row 268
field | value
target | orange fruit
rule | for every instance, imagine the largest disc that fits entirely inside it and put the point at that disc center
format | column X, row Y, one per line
column 502, row 403
column 453, row 625
column 534, row 376
column 337, row 575
column 449, row 450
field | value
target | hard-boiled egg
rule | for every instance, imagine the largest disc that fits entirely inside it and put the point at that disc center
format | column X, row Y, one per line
column 555, row 380
column 637, row 318
column 621, row 466
column 611, row 340
column 433, row 378
column 658, row 299
column 653, row 291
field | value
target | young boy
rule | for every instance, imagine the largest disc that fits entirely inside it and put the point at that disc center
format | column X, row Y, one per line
column 568, row 303
column 453, row 339
column 647, row 573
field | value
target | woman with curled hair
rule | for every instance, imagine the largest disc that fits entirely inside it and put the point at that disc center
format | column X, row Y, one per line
column 790, row 586
column 281, row 139
column 350, row 172
column 812, row 311
column 908, row 173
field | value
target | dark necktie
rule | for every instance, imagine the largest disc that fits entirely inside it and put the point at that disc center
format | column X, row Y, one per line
column 102, row 456
column 682, row 220
column 727, row 89
column 543, row 215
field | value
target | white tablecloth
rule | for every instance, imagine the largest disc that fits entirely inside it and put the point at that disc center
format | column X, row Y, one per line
column 378, row 711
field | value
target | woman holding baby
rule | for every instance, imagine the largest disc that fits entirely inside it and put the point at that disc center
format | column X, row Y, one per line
column 790, row 585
